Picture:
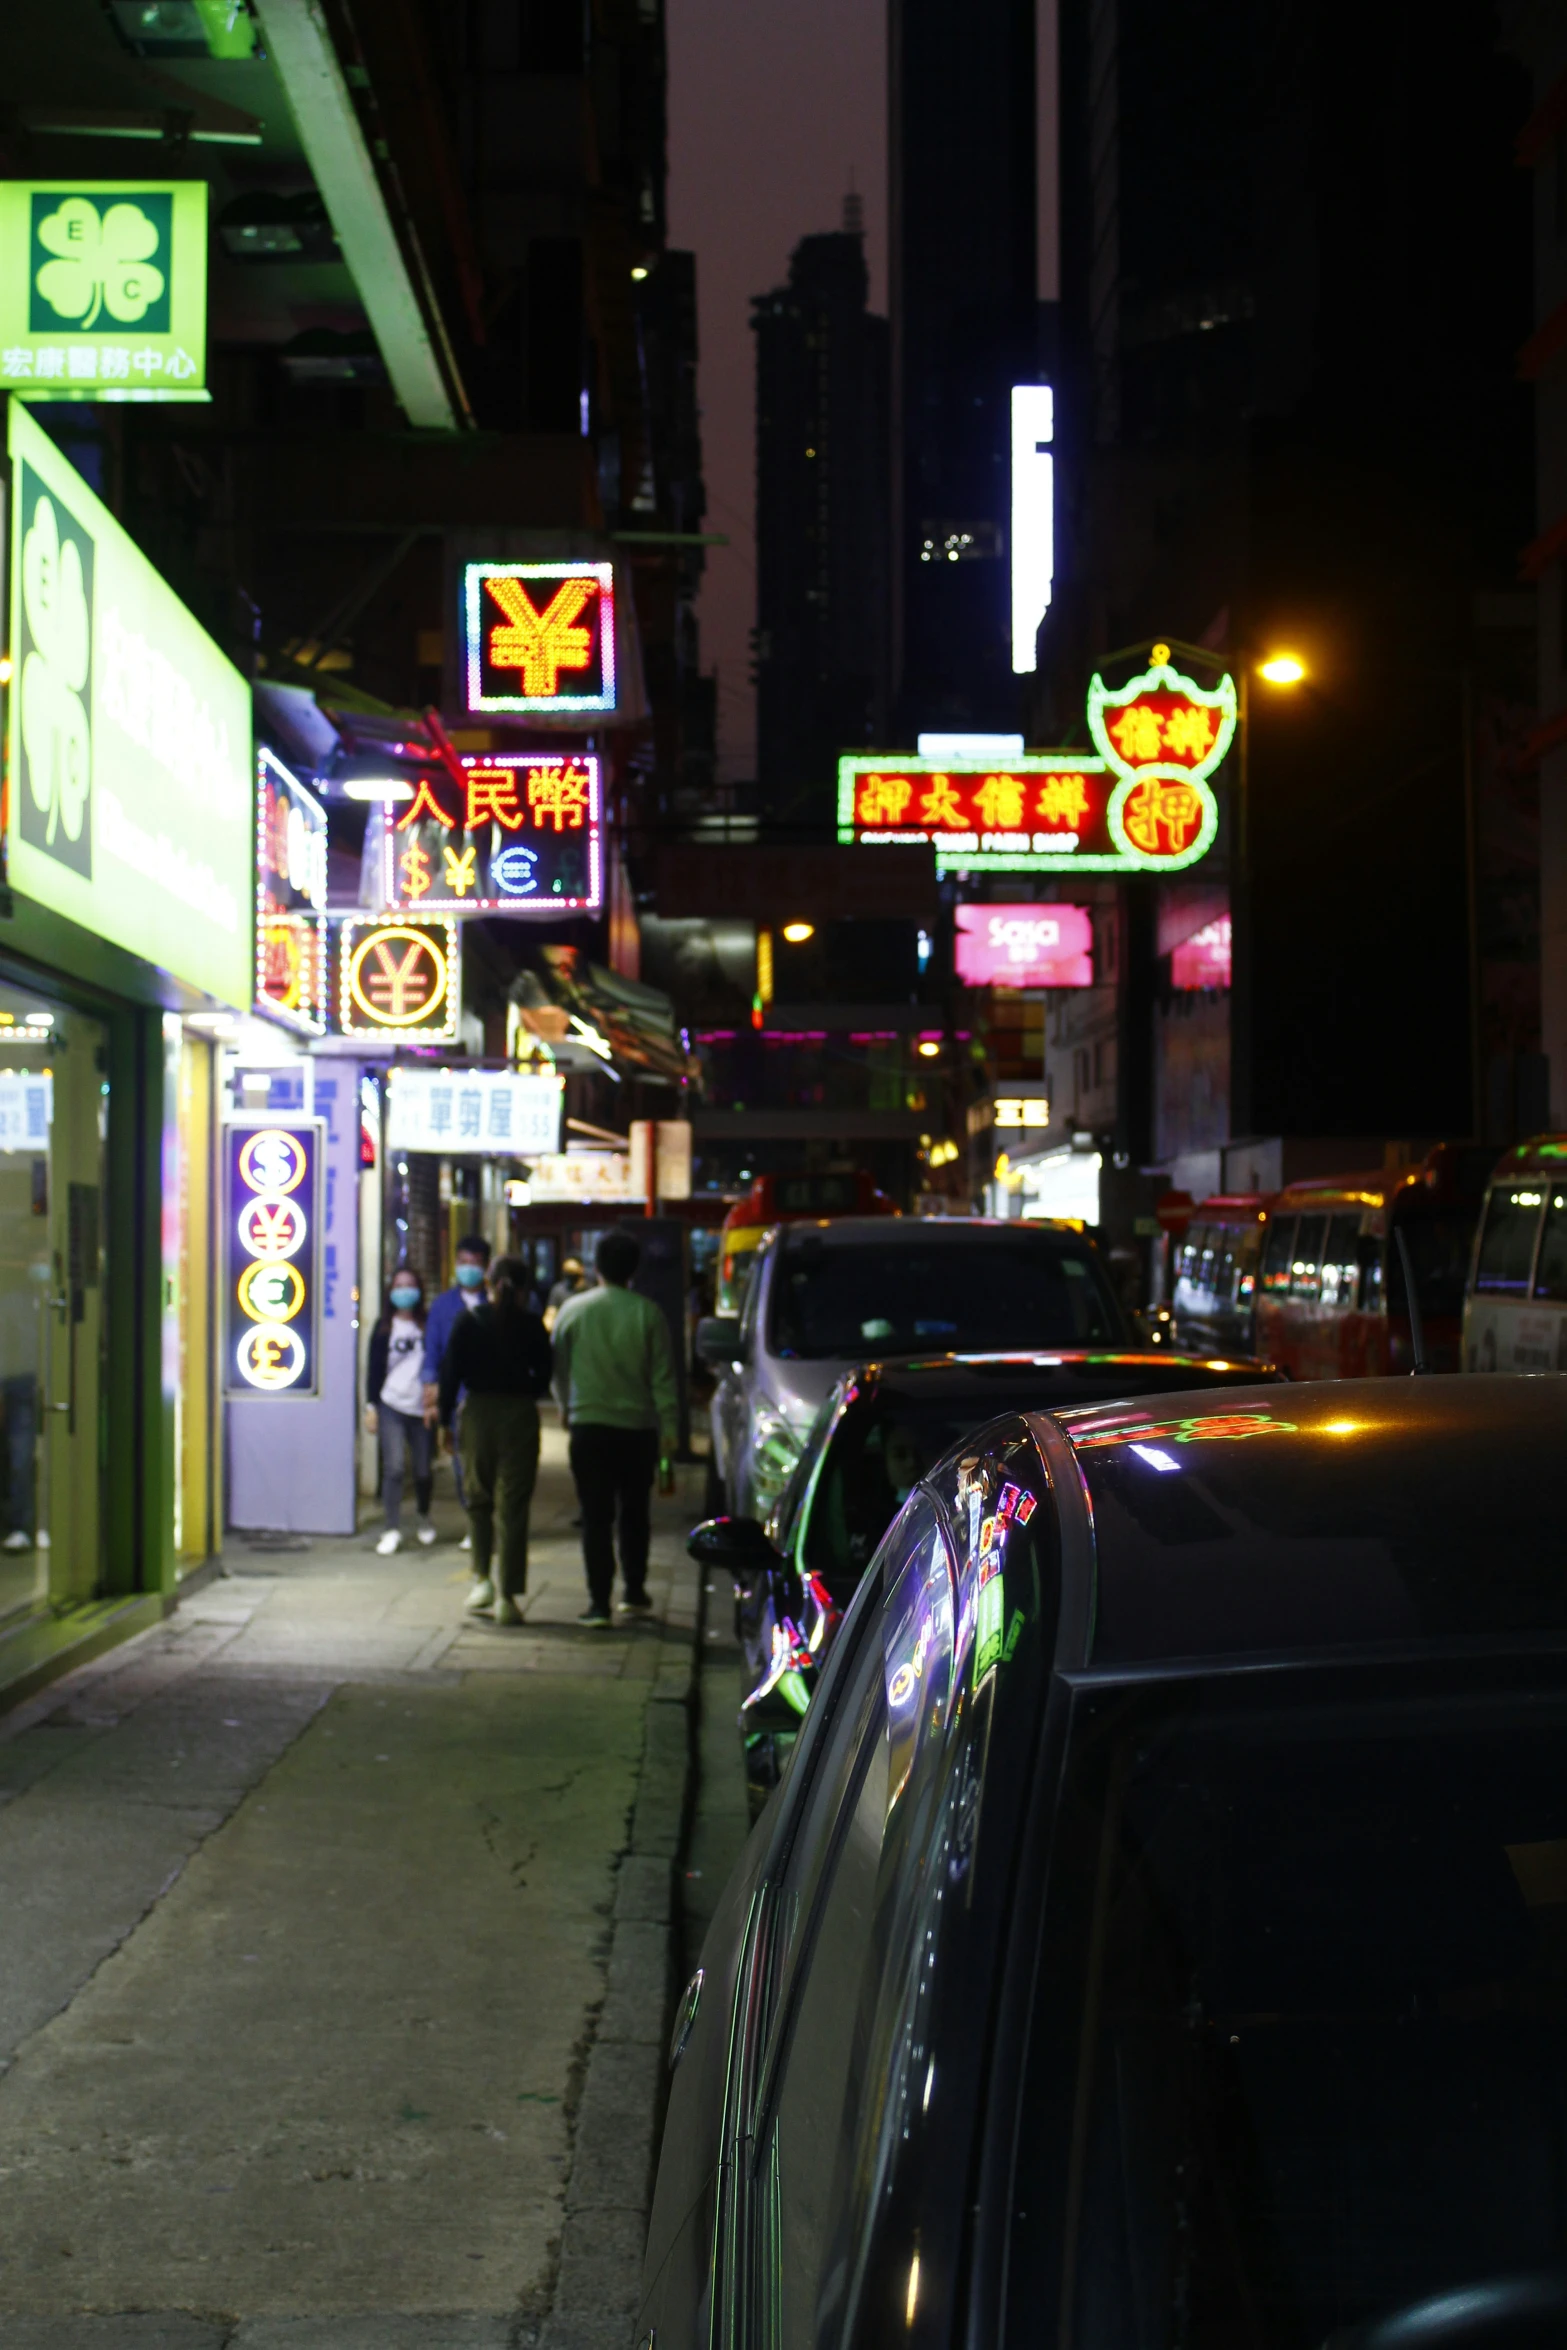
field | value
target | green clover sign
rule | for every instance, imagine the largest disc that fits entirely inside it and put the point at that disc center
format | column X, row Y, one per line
column 103, row 262
column 56, row 732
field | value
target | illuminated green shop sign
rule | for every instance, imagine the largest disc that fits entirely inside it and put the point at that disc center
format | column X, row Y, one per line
column 131, row 780
column 103, row 289
column 1140, row 802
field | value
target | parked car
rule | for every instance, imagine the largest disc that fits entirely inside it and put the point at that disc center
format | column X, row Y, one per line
column 824, row 1296
column 873, row 1440
column 785, row 1199
column 1332, row 1300
column 1215, row 1294
column 1515, row 1306
column 1160, row 1936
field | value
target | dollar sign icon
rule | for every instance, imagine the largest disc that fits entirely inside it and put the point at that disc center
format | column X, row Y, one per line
column 415, row 865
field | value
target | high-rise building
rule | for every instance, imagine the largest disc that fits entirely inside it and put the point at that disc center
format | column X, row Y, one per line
column 821, row 525
column 1289, row 417
column 967, row 325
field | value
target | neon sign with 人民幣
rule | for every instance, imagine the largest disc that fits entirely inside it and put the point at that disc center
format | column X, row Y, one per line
column 538, row 638
column 515, row 833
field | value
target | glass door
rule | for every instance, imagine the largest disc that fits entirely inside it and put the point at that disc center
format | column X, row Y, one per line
column 53, row 1123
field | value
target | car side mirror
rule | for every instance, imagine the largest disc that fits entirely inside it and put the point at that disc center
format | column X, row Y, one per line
column 733, row 1546
column 718, row 1341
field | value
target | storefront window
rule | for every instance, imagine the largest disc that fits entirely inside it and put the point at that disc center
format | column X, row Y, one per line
column 53, row 1122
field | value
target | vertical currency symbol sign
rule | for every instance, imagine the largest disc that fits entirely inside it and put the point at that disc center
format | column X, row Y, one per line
column 271, row 1291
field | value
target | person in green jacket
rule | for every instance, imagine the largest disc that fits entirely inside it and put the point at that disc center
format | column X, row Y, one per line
column 615, row 1383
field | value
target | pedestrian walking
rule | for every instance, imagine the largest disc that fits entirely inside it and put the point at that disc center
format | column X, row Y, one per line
column 615, row 1382
column 467, row 1292
column 498, row 1361
column 394, row 1405
column 572, row 1280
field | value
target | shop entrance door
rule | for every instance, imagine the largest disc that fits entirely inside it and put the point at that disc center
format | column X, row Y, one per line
column 53, row 1122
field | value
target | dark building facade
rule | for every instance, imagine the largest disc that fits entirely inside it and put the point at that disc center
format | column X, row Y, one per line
column 1288, row 416
column 821, row 527
column 966, row 326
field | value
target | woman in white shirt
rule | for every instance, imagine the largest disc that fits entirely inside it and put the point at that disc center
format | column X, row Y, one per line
column 394, row 1390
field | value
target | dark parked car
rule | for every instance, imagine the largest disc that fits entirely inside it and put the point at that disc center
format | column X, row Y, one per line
column 879, row 1431
column 1160, row 1936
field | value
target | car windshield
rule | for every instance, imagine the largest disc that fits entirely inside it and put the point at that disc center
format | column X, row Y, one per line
column 997, row 1292
column 1307, row 2061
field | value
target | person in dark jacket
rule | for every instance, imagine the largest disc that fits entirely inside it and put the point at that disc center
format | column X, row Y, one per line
column 446, row 1311
column 394, row 1404
column 498, row 1360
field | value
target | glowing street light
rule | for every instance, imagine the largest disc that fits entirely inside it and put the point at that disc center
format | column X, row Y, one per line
column 1282, row 669
column 798, row 932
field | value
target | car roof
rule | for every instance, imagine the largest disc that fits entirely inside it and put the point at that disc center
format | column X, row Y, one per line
column 1310, row 1519
column 918, row 1231
column 933, row 1378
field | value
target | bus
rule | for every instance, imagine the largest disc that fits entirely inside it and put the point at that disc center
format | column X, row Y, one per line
column 1331, row 1297
column 1515, row 1308
column 785, row 1199
column 1216, row 1274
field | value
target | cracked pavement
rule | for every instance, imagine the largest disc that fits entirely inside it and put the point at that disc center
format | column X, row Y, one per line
column 312, row 1898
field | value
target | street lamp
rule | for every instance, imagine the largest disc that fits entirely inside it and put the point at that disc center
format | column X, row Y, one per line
column 798, row 932
column 1282, row 669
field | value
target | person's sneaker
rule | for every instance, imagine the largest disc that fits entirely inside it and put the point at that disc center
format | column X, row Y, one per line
column 18, row 1541
column 391, row 1540
column 506, row 1612
column 426, row 1532
column 466, row 1542
column 481, row 1595
column 594, row 1619
column 640, row 1606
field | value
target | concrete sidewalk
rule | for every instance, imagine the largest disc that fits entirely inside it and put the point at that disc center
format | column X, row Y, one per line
column 335, row 1959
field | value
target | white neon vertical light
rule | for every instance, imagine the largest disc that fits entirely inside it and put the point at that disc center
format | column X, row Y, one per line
column 1033, row 517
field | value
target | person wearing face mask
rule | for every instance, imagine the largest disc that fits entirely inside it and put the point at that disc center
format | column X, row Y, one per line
column 467, row 1292
column 499, row 1357
column 394, row 1410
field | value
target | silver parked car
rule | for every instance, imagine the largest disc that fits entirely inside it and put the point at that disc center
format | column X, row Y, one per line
column 827, row 1296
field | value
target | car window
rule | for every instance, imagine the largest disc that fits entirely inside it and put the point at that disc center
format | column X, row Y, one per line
column 827, row 1913
column 1341, row 1262
column 1306, row 1264
column 997, row 1293
column 1512, row 1218
column 1550, row 1278
column 1301, row 2024
column 1277, row 1257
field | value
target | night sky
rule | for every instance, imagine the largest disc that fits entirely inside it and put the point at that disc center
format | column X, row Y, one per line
column 771, row 109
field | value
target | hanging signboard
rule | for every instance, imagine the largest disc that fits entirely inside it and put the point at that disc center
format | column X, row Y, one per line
column 519, row 833
column 273, row 1300
column 1024, row 946
column 132, row 794
column 103, row 289
column 538, row 639
column 399, row 980
column 473, row 1113
column 1142, row 804
column 291, row 925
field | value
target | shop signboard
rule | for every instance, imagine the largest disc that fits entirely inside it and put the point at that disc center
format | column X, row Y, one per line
column 1024, row 946
column 1203, row 960
column 1141, row 803
column 272, row 1309
column 473, row 1113
column 291, row 925
column 103, row 289
column 131, row 805
column 400, row 980
column 538, row 639
column 517, row 833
